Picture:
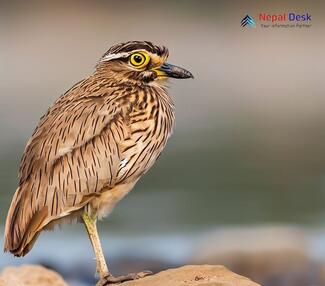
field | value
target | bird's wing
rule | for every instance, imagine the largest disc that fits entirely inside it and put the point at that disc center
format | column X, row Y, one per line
column 71, row 156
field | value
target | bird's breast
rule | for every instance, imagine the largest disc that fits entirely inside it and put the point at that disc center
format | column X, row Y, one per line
column 150, row 125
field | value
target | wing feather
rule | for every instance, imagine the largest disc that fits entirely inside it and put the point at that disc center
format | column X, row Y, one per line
column 72, row 155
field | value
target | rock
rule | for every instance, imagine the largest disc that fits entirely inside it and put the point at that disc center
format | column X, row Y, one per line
column 30, row 275
column 194, row 275
column 191, row 275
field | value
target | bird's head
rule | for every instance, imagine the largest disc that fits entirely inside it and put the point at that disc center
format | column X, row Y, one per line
column 140, row 62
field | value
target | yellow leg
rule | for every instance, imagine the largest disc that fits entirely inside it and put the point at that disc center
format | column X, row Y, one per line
column 101, row 266
column 106, row 277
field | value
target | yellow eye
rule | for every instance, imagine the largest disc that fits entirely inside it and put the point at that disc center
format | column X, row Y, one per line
column 139, row 60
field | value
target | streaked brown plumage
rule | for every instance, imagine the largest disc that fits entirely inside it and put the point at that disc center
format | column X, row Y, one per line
column 93, row 144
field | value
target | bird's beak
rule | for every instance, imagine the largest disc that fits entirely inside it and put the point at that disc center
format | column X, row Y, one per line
column 169, row 70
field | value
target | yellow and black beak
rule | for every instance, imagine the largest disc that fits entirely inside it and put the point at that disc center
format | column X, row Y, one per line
column 169, row 70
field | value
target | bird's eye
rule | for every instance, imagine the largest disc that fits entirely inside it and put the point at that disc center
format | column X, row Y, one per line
column 139, row 60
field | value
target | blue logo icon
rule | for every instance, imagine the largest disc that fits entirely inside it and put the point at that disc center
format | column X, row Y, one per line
column 248, row 21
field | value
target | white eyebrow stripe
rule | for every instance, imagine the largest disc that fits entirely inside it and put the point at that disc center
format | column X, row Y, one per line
column 121, row 55
column 114, row 56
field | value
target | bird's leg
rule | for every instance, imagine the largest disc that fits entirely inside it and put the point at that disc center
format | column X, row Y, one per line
column 91, row 226
column 106, row 277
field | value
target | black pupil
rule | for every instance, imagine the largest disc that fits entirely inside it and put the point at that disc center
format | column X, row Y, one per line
column 137, row 59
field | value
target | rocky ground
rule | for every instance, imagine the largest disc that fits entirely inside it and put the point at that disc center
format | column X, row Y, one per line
column 191, row 275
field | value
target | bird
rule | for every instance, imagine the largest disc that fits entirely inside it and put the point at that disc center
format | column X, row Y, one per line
column 92, row 146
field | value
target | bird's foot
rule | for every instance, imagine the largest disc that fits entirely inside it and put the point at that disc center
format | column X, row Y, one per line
column 109, row 280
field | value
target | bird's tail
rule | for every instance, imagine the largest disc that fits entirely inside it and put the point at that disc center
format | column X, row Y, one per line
column 21, row 228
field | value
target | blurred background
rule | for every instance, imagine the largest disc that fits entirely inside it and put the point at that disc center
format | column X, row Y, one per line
column 242, row 180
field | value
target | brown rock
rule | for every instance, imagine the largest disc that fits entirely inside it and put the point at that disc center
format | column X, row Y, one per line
column 194, row 275
column 30, row 275
column 191, row 275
